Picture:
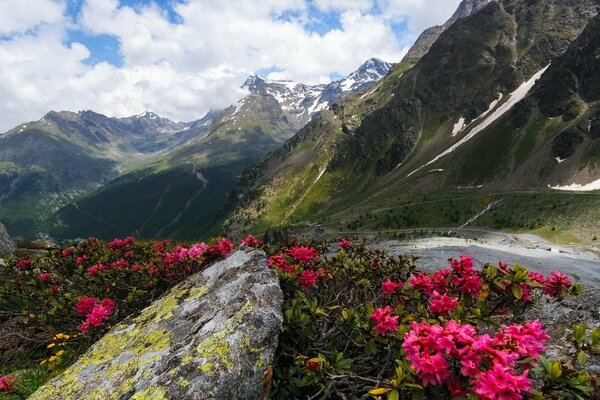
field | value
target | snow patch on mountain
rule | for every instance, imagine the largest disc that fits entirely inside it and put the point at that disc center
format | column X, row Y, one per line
column 575, row 187
column 519, row 94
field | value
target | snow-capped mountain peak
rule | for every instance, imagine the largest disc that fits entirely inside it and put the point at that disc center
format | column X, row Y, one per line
column 370, row 71
column 301, row 102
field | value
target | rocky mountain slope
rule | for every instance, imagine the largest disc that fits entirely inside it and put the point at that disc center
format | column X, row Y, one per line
column 455, row 125
column 179, row 192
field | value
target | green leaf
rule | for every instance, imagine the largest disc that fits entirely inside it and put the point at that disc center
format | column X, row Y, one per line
column 394, row 395
column 582, row 357
column 584, row 389
column 517, row 292
column 379, row 391
column 579, row 332
column 345, row 314
column 554, row 370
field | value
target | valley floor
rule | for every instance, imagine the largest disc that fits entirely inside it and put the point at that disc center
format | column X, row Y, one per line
column 531, row 251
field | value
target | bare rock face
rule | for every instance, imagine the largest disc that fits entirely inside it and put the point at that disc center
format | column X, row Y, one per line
column 210, row 337
column 7, row 247
column 559, row 318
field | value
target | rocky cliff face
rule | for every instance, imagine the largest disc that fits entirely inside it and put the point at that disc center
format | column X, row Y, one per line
column 210, row 337
column 6, row 245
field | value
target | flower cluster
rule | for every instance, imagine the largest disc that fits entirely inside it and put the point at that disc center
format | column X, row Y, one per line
column 384, row 320
column 556, row 284
column 96, row 312
column 344, row 244
column 388, row 287
column 118, row 243
column 296, row 263
column 251, row 241
column 303, row 254
column 482, row 362
column 442, row 304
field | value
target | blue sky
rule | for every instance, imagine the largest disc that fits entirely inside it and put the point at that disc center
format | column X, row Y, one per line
column 180, row 58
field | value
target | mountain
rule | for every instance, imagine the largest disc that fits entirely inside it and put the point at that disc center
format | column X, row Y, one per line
column 459, row 137
column 44, row 164
column 180, row 191
column 428, row 37
column 300, row 103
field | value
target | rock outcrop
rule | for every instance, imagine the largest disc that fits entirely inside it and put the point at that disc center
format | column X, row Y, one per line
column 559, row 318
column 7, row 247
column 210, row 337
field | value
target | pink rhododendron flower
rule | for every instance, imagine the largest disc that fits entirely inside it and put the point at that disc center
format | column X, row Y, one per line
column 308, row 278
column 85, row 305
column 470, row 285
column 527, row 340
column 129, row 253
column 67, row 252
column 384, row 321
column 81, row 260
column 303, row 254
column 98, row 314
column 388, row 287
column 116, row 243
column 94, row 269
column 7, row 383
column 499, row 383
column 251, row 241
column 432, row 369
column 44, row 277
column 223, row 247
column 442, row 304
column 55, row 289
column 422, row 282
column 556, row 283
column 197, row 250
column 344, row 244
column 537, row 277
column 464, row 266
column 22, row 264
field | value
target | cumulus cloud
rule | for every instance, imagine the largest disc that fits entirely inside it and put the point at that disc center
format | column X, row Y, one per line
column 20, row 16
column 420, row 14
column 182, row 67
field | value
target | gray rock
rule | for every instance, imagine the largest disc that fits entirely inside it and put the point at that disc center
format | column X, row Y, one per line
column 559, row 318
column 210, row 337
column 7, row 247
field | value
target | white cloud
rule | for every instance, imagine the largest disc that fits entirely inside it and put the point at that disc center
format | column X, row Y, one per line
column 181, row 70
column 20, row 15
column 420, row 14
column 345, row 5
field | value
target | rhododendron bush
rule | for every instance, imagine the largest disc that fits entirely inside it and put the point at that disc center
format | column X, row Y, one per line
column 65, row 301
column 360, row 323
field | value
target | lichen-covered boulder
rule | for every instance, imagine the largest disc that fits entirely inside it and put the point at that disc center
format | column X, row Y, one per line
column 7, row 247
column 210, row 337
column 559, row 318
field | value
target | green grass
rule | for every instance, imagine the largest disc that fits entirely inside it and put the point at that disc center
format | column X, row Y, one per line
column 555, row 215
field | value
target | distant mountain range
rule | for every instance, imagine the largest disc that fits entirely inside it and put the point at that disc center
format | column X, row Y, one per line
column 81, row 174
